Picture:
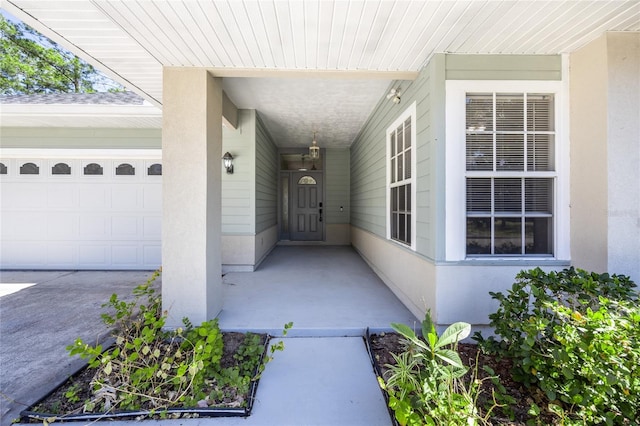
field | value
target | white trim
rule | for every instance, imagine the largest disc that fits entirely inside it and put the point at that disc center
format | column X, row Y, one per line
column 409, row 112
column 455, row 196
column 88, row 153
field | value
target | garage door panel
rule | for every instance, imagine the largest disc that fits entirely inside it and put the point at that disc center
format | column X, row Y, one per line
column 62, row 196
column 94, row 227
column 26, row 225
column 94, row 256
column 124, row 197
column 152, row 198
column 62, row 225
column 62, row 255
column 24, row 254
column 124, row 255
column 92, row 197
column 152, row 227
column 28, row 196
column 124, row 227
column 152, row 255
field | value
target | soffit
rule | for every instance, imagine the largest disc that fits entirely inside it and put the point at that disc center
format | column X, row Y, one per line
column 372, row 42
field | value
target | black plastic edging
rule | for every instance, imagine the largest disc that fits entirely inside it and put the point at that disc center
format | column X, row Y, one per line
column 378, row 371
column 27, row 414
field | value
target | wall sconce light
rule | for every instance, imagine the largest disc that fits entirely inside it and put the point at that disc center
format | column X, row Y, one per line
column 314, row 149
column 228, row 162
column 394, row 95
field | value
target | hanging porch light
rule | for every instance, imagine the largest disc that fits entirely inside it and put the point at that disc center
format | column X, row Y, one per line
column 314, row 149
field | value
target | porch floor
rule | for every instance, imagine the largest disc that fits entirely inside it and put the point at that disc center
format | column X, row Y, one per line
column 324, row 290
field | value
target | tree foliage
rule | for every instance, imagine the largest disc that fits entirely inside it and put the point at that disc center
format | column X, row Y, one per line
column 31, row 63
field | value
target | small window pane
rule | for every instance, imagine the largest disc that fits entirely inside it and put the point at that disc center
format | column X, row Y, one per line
column 394, row 199
column 402, row 235
column 508, row 235
column 479, row 195
column 61, row 169
column 93, row 169
column 478, row 235
column 407, row 133
column 29, row 169
column 508, row 195
column 3, row 169
column 400, row 139
column 400, row 165
column 125, row 170
column 402, row 199
column 479, row 112
column 538, row 235
column 510, row 113
column 394, row 226
column 540, row 153
column 538, row 195
column 155, row 170
column 479, row 151
column 540, row 113
column 307, row 180
column 407, row 164
column 393, row 170
column 509, row 152
column 408, row 188
column 393, row 144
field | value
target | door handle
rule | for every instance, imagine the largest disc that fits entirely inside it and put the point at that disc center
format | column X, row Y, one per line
column 320, row 215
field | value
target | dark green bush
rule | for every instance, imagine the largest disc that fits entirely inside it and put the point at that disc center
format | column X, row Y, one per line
column 576, row 336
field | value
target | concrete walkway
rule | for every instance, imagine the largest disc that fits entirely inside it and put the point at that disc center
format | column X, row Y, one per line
column 323, row 377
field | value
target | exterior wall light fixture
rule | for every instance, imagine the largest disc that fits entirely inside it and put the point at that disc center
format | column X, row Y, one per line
column 394, row 95
column 228, row 162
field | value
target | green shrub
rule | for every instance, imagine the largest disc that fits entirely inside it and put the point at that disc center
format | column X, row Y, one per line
column 576, row 336
column 154, row 369
column 425, row 386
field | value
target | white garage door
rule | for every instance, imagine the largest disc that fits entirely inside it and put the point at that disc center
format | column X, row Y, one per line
column 80, row 209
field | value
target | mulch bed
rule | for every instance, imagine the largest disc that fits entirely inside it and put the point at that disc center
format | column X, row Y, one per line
column 384, row 344
column 235, row 404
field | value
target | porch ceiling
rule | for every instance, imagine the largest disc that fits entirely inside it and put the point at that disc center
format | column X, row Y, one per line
column 345, row 53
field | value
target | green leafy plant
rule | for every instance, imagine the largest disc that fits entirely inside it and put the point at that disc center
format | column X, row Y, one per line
column 574, row 335
column 153, row 369
column 425, row 386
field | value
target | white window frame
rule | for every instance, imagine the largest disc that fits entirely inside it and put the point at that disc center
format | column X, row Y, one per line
column 455, row 197
column 410, row 112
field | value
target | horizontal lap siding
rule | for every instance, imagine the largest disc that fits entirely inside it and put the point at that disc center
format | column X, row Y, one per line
column 503, row 67
column 78, row 138
column 238, row 189
column 266, row 178
column 369, row 164
column 337, row 186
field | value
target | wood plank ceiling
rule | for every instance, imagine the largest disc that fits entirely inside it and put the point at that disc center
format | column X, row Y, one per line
column 337, row 43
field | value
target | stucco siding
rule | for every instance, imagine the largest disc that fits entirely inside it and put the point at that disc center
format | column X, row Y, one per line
column 589, row 157
column 79, row 138
column 605, row 155
column 238, row 189
column 623, row 160
column 504, row 67
column 266, row 178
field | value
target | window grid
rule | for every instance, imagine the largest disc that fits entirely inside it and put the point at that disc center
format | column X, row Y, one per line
column 400, row 185
column 509, row 189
